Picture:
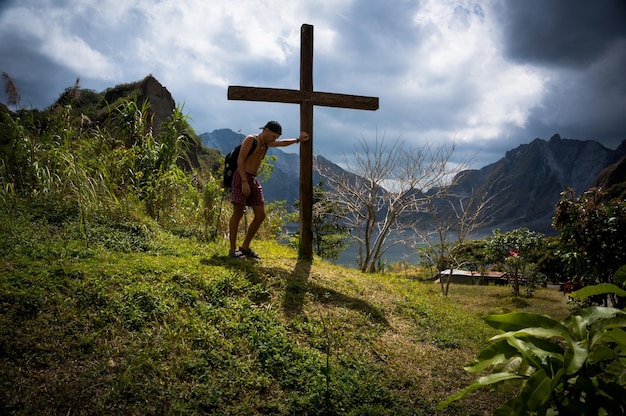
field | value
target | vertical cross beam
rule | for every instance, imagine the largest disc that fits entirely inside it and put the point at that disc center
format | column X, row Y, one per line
column 307, row 98
column 306, row 148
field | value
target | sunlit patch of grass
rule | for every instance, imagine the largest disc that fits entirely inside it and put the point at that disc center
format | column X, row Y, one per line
column 182, row 328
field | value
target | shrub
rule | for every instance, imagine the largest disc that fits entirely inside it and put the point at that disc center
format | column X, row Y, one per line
column 577, row 366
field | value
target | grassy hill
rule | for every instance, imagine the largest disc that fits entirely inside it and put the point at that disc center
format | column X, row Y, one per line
column 167, row 325
column 116, row 297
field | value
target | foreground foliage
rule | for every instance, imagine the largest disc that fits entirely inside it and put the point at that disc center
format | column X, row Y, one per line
column 577, row 366
column 592, row 240
column 142, row 322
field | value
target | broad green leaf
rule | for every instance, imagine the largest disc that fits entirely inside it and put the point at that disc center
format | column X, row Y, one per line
column 601, row 353
column 494, row 354
column 536, row 390
column 478, row 383
column 599, row 289
column 616, row 335
column 556, row 379
column 592, row 314
column 601, row 327
column 515, row 321
column 575, row 357
column 578, row 326
column 510, row 366
column 617, row 371
column 528, row 351
column 506, row 409
column 620, row 275
column 534, row 350
column 544, row 333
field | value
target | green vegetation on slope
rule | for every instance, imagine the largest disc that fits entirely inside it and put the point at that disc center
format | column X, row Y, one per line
column 116, row 296
column 171, row 326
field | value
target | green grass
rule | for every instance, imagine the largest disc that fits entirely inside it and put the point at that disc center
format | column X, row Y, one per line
column 178, row 328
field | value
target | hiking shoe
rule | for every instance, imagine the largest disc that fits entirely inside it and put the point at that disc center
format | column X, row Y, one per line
column 249, row 253
column 237, row 254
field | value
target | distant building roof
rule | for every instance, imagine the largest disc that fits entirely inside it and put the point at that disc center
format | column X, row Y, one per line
column 468, row 273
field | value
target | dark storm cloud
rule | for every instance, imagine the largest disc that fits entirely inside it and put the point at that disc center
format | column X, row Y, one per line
column 582, row 47
column 37, row 77
column 491, row 74
column 561, row 32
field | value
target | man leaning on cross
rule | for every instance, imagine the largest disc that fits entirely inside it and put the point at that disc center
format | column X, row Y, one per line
column 249, row 191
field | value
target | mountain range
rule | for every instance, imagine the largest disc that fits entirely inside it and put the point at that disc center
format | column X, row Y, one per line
column 525, row 184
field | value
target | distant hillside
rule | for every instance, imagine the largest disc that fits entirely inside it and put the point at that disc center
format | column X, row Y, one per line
column 525, row 183
column 97, row 107
column 613, row 180
column 528, row 181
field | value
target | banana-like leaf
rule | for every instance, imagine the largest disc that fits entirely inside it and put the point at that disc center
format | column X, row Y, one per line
column 535, row 350
column 496, row 353
column 593, row 313
column 542, row 333
column 617, row 371
column 534, row 356
column 478, row 383
column 511, row 366
column 536, row 390
column 602, row 353
column 584, row 318
column 620, row 275
column 515, row 321
column 617, row 336
column 600, row 328
column 578, row 325
column 599, row 289
column 506, row 409
column 575, row 357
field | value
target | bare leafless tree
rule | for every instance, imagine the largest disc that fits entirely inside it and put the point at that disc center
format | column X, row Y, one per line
column 453, row 214
column 384, row 191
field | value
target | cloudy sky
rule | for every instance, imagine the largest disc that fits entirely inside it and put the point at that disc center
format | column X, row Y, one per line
column 490, row 74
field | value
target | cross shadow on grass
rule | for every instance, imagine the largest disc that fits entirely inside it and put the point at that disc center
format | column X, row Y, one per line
column 299, row 284
column 248, row 267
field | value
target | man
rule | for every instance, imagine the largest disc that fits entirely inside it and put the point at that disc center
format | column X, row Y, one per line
column 249, row 191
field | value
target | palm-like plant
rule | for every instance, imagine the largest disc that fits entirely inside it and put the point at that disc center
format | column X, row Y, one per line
column 577, row 366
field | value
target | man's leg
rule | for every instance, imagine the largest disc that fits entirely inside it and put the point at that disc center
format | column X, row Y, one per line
column 233, row 224
column 259, row 216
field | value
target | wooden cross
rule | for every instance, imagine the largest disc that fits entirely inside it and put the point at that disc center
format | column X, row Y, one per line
column 307, row 98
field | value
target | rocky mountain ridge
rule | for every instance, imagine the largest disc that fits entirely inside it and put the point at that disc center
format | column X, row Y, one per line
column 525, row 184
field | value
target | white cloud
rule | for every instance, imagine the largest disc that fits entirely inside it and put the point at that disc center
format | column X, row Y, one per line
column 60, row 45
column 439, row 67
column 73, row 52
column 459, row 74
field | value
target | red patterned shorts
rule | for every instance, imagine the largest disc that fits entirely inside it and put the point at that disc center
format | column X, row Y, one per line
column 256, row 191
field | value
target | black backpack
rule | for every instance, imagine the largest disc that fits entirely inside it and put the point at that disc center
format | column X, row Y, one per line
column 230, row 164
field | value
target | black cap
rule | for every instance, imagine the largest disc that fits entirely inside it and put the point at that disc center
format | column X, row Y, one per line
column 273, row 126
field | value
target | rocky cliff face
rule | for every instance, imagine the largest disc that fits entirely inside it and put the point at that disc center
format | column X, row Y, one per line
column 161, row 102
column 527, row 182
column 147, row 90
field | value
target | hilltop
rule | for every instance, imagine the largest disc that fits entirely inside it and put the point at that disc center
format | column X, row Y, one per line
column 116, row 296
column 179, row 328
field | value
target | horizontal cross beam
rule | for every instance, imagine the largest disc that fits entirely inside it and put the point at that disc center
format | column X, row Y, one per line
column 325, row 99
